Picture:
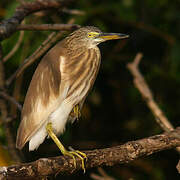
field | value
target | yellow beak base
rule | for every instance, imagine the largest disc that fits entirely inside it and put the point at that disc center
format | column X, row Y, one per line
column 112, row 36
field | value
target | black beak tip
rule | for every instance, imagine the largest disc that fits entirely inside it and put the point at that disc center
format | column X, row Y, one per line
column 123, row 36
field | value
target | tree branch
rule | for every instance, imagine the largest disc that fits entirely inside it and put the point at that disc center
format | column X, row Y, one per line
column 4, row 114
column 10, row 99
column 73, row 11
column 103, row 175
column 47, row 27
column 101, row 157
column 15, row 48
column 9, row 26
column 146, row 93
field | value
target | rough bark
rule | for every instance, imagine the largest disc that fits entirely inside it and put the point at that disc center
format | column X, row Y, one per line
column 100, row 157
column 9, row 26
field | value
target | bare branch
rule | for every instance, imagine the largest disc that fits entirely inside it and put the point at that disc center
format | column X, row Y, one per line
column 104, row 175
column 11, row 99
column 47, row 27
column 4, row 114
column 146, row 93
column 8, row 27
column 2, row 74
column 101, row 157
column 37, row 54
column 178, row 167
column 15, row 48
column 73, row 11
column 18, row 83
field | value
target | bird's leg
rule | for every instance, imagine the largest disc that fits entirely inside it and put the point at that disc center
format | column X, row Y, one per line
column 77, row 111
column 72, row 154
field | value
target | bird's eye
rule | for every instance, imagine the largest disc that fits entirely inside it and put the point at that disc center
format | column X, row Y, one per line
column 92, row 34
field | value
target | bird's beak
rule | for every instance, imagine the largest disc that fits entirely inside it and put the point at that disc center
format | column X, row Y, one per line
column 111, row 36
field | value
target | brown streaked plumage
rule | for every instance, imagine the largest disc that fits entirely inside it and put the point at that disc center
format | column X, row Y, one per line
column 61, row 81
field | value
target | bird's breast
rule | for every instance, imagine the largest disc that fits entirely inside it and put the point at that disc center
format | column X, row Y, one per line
column 80, row 72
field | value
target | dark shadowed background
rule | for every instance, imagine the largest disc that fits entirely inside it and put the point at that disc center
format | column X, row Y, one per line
column 114, row 111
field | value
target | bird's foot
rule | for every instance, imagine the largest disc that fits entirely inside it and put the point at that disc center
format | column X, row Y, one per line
column 77, row 153
column 77, row 111
column 72, row 153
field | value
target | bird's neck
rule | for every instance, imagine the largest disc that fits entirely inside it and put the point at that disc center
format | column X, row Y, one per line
column 74, row 49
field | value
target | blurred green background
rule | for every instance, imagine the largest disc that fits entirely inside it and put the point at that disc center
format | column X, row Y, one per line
column 114, row 112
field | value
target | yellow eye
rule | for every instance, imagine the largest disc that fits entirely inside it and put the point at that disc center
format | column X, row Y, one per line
column 92, row 34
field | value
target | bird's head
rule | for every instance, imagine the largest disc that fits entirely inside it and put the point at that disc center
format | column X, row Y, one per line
column 91, row 36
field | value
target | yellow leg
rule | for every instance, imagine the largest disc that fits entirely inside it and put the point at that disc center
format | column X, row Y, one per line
column 72, row 154
column 77, row 111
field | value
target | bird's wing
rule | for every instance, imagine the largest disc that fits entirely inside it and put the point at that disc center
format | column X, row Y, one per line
column 43, row 96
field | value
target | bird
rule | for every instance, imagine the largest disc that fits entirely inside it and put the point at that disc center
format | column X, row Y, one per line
column 59, row 87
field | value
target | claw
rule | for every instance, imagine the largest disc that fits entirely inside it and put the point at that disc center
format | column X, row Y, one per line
column 79, row 154
column 72, row 153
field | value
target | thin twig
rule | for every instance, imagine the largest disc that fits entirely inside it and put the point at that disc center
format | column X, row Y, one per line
column 18, row 82
column 2, row 74
column 2, row 85
column 100, row 157
column 146, row 93
column 11, row 99
column 4, row 116
column 15, row 48
column 8, row 27
column 73, row 11
column 28, row 61
column 47, row 27
column 16, row 95
column 103, row 175
column 178, row 167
